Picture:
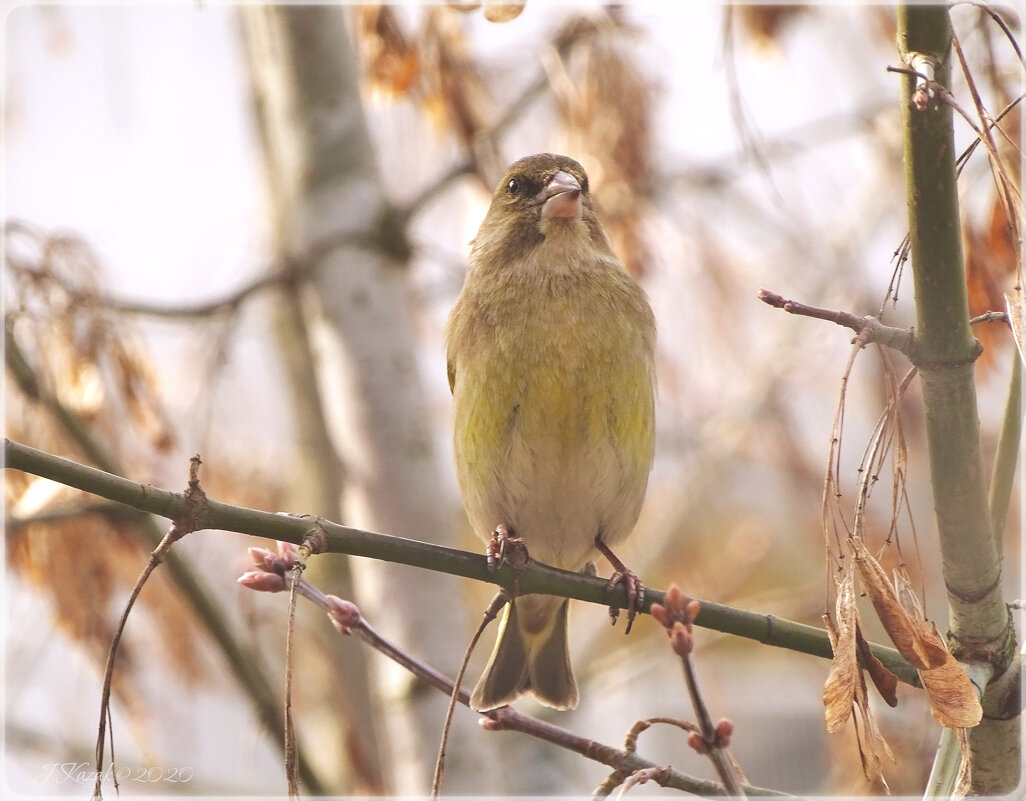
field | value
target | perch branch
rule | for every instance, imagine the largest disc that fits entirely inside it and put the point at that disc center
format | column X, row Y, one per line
column 335, row 538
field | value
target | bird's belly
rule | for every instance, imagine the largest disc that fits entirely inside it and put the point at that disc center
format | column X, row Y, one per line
column 547, row 461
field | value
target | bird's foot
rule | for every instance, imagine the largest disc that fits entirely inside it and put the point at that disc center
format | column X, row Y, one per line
column 630, row 581
column 505, row 548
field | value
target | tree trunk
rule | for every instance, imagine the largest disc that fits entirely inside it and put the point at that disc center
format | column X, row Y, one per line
column 339, row 230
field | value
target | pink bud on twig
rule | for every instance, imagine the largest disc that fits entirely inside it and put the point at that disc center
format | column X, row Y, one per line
column 724, row 731
column 289, row 552
column 262, row 581
column 344, row 615
column 697, row 741
column 265, row 560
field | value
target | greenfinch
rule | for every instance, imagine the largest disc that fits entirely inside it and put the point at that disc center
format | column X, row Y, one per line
column 550, row 351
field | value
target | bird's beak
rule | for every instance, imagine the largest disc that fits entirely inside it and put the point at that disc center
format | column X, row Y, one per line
column 561, row 198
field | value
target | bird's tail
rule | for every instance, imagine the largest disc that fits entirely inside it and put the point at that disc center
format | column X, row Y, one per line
column 531, row 654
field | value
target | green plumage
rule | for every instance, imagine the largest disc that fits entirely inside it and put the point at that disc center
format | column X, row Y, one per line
column 550, row 357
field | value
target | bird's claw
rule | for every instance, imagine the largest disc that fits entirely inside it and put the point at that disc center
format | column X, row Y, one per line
column 505, row 548
column 635, row 596
column 631, row 583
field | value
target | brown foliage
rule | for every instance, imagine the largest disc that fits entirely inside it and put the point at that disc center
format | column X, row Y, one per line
column 85, row 387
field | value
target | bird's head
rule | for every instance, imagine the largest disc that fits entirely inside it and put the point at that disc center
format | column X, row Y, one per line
column 540, row 196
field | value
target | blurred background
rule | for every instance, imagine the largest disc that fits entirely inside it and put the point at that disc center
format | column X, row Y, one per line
column 237, row 231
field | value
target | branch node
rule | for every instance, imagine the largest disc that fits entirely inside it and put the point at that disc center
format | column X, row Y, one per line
column 924, row 67
column 946, row 364
column 194, row 504
column 316, row 539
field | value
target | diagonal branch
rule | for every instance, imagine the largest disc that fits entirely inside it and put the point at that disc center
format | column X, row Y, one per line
column 271, row 576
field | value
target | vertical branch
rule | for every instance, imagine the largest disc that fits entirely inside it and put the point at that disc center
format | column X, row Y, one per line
column 980, row 626
column 946, row 348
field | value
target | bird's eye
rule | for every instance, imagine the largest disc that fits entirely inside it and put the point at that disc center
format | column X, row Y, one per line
column 584, row 185
column 513, row 187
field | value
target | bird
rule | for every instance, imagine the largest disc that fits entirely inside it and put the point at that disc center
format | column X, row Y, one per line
column 550, row 356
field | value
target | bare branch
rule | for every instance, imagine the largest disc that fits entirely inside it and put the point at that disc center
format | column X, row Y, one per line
column 346, row 617
column 867, row 329
column 993, row 14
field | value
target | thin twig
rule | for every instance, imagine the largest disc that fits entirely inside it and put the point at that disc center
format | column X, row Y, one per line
column 643, row 776
column 831, row 507
column 797, row 141
column 867, row 329
column 184, row 524
column 114, row 512
column 498, row 601
column 226, row 304
column 1006, row 454
column 678, row 617
column 230, row 302
column 901, row 254
column 990, row 317
column 1005, row 185
column 291, row 746
column 987, row 9
column 749, row 136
